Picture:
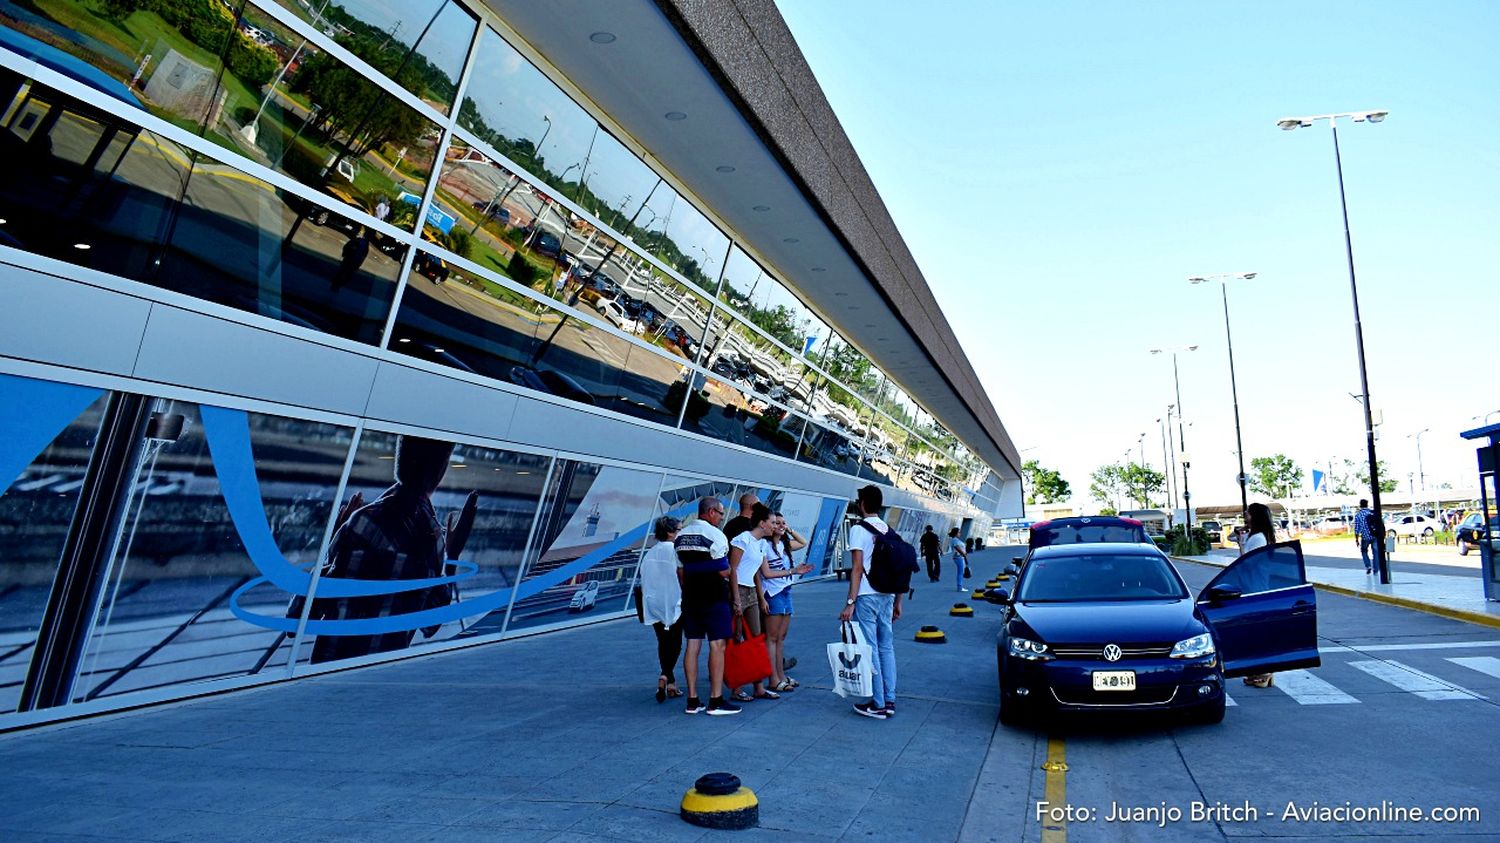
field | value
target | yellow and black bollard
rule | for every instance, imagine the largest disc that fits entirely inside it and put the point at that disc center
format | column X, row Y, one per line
column 718, row 800
column 931, row 635
column 961, row 610
column 978, row 594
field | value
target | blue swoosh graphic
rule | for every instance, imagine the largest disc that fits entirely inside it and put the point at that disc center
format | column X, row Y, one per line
column 36, row 412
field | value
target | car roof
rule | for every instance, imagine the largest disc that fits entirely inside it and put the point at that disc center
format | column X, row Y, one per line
column 1095, row 548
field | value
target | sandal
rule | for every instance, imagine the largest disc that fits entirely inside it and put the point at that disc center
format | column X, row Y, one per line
column 767, row 695
column 741, row 696
column 784, row 687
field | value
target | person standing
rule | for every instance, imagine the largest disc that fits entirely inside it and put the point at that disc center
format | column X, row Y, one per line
column 703, row 553
column 661, row 603
column 747, row 555
column 876, row 612
column 958, row 556
column 1259, row 533
column 776, row 577
column 1364, row 533
column 740, row 523
column 931, row 553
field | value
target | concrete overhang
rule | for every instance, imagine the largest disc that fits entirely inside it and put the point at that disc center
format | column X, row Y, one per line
column 752, row 103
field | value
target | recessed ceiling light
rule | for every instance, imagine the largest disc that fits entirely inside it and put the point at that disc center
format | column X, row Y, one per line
column 762, row 208
column 790, row 240
column 82, row 247
column 437, row 351
column 2, row 222
column 819, row 269
column 404, row 339
column 602, row 37
column 724, row 168
column 675, row 115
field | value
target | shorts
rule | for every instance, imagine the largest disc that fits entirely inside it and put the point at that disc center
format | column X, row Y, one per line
column 750, row 609
column 780, row 602
column 710, row 620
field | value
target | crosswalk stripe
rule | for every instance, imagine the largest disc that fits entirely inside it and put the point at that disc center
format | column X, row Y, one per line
column 1484, row 664
column 1307, row 689
column 1408, row 678
column 1228, row 700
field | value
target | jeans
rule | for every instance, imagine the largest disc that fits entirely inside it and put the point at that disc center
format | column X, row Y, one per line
column 959, row 564
column 873, row 611
column 1364, row 551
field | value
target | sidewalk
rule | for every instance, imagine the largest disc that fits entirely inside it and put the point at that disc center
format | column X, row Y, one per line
column 1457, row 597
column 554, row 737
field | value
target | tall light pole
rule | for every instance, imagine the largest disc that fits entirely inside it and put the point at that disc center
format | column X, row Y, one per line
column 1239, row 444
column 1288, row 124
column 1171, row 447
column 1187, row 496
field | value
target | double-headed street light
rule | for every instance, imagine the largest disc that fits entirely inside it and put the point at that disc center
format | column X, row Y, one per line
column 1288, row 124
column 1187, row 497
column 1239, row 445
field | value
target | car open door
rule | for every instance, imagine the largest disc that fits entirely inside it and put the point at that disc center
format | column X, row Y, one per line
column 1264, row 612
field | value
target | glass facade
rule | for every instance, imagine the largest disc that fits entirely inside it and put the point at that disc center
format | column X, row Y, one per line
column 399, row 176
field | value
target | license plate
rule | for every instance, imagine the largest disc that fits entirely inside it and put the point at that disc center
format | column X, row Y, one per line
column 1114, row 680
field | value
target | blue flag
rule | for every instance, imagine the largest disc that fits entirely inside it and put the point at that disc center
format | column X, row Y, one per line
column 808, row 344
column 1317, row 480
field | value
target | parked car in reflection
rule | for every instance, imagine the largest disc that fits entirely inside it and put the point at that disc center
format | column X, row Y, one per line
column 552, row 383
column 547, row 245
column 1112, row 627
column 585, row 597
column 611, row 310
column 428, row 350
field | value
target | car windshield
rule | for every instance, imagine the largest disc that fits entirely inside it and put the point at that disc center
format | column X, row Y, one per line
column 1077, row 533
column 1099, row 576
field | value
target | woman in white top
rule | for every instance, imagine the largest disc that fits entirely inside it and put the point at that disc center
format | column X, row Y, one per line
column 776, row 574
column 747, row 555
column 1261, row 533
column 661, row 603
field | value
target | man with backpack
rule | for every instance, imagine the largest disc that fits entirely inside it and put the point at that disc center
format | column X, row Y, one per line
column 878, row 578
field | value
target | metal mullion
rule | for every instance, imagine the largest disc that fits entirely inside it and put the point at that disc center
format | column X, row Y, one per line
column 148, row 122
column 536, row 518
column 355, row 63
column 317, row 569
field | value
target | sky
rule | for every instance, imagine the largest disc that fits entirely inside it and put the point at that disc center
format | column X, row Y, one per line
column 1060, row 169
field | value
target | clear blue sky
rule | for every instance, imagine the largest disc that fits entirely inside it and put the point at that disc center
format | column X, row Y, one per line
column 1059, row 169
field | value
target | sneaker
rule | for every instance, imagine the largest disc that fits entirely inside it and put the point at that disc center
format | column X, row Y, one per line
column 694, row 705
column 718, row 706
column 869, row 710
column 890, row 710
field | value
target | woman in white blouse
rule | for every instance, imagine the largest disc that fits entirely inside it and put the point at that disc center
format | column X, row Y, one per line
column 661, row 603
column 1261, row 533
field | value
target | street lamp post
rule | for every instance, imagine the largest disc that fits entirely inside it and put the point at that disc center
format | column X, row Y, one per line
column 1187, row 496
column 1289, row 124
column 1239, row 445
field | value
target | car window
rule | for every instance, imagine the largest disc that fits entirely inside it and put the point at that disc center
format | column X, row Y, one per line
column 1102, row 576
column 1264, row 569
column 1087, row 534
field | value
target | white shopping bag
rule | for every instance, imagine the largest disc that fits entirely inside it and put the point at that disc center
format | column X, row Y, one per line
column 852, row 661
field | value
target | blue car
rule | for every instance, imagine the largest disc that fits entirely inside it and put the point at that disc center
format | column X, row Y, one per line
column 1112, row 627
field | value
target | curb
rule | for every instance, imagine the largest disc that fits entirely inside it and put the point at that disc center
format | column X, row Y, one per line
column 1478, row 618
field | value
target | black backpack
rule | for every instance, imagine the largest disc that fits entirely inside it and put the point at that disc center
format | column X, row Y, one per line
column 892, row 562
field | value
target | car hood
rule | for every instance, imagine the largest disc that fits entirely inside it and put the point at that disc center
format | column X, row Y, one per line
column 1124, row 622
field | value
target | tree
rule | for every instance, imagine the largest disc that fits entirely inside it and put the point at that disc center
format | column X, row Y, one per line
column 1107, row 484
column 1275, row 476
column 1387, row 481
column 1043, row 485
column 1141, row 482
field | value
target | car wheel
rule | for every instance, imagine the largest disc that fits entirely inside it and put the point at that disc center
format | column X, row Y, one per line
column 1011, row 712
column 1427, row 532
column 1213, row 712
column 320, row 217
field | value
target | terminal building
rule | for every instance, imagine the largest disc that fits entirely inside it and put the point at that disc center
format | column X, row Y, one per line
column 565, row 267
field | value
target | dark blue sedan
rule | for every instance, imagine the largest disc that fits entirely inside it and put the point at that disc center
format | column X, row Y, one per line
column 1112, row 627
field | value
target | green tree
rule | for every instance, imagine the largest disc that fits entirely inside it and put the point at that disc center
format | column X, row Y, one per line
column 1044, row 485
column 1141, row 482
column 1276, row 476
column 1107, row 484
column 1387, row 480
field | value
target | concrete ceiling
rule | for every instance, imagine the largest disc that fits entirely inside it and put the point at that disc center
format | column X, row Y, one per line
column 752, row 104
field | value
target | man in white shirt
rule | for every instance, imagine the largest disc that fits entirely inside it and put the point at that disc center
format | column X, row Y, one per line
column 875, row 611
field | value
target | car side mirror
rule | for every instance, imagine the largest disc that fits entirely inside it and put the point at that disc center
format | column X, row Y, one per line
column 1221, row 593
column 1016, row 560
column 1012, row 570
column 1003, row 595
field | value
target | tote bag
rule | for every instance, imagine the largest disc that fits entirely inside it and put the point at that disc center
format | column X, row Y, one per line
column 851, row 660
column 746, row 659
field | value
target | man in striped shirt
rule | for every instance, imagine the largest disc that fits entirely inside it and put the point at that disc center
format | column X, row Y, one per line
column 1364, row 533
column 703, row 563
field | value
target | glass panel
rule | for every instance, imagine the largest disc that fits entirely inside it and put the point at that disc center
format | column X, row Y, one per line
column 849, row 367
column 725, row 412
column 756, row 363
column 682, row 238
column 419, row 43
column 829, row 448
column 207, row 574
column 404, row 518
column 519, row 111
column 768, row 304
column 590, row 538
column 143, row 207
column 42, row 468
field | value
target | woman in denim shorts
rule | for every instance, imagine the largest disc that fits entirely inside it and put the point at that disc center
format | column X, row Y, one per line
column 776, row 573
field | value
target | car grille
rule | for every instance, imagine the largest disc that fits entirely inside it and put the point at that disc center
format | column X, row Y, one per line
column 1140, row 696
column 1095, row 652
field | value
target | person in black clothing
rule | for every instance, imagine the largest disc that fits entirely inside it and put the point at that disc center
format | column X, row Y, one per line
column 740, row 523
column 932, row 551
column 355, row 252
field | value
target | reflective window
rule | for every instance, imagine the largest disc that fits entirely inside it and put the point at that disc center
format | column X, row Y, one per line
column 755, row 363
column 728, row 413
column 43, row 459
column 423, row 509
column 143, row 207
column 419, row 43
column 590, row 535
column 764, row 301
column 214, row 547
column 683, row 238
column 829, row 448
column 851, row 368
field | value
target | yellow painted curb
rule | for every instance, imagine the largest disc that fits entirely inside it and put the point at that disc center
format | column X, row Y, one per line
column 1056, row 790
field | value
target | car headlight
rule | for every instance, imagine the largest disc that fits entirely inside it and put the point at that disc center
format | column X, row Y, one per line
column 1023, row 648
column 1194, row 648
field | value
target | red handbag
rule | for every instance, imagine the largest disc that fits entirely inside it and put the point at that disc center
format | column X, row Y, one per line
column 746, row 659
